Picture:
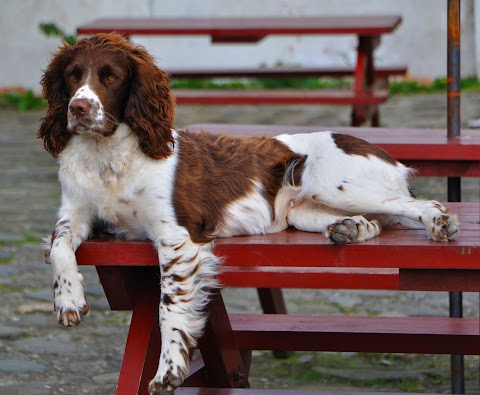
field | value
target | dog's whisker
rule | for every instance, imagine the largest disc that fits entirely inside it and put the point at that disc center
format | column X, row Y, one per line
column 110, row 118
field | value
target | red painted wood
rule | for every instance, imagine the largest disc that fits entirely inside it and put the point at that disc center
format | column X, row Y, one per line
column 309, row 277
column 360, row 71
column 439, row 280
column 271, row 300
column 197, row 375
column 424, row 335
column 260, row 277
column 288, row 248
column 119, row 286
column 446, row 168
column 403, row 144
column 219, row 349
column 277, row 96
column 283, row 72
column 235, row 28
column 143, row 344
column 255, row 391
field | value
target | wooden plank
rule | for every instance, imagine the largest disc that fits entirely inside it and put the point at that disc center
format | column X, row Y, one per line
column 277, row 96
column 309, row 277
column 283, row 72
column 444, row 168
column 439, row 280
column 254, row 391
column 424, row 335
column 234, row 28
column 287, row 248
column 401, row 143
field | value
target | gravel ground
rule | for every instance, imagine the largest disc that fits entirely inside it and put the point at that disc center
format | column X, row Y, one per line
column 39, row 357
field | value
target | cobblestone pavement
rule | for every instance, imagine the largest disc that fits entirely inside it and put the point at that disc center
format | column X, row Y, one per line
column 39, row 357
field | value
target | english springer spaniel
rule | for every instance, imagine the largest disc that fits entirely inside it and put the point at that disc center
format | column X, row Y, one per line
column 110, row 124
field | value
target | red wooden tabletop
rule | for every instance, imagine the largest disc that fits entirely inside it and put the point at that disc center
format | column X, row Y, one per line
column 402, row 144
column 364, row 25
column 395, row 248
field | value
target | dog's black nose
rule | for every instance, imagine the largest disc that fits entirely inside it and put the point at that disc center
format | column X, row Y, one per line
column 79, row 107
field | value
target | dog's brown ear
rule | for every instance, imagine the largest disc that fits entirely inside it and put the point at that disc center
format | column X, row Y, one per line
column 150, row 107
column 53, row 129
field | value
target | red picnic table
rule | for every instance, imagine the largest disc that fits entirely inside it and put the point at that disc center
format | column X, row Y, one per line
column 129, row 274
column 364, row 97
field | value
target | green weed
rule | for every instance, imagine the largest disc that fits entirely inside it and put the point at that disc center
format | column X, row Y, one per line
column 22, row 101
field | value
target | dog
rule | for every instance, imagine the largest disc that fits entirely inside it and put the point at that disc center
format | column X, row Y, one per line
column 110, row 124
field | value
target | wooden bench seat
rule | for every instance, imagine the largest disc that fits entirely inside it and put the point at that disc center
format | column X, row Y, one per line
column 382, row 72
column 249, row 391
column 278, row 96
column 357, row 334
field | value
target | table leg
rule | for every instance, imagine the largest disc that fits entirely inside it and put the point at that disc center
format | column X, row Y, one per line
column 272, row 302
column 219, row 349
column 364, row 80
column 143, row 343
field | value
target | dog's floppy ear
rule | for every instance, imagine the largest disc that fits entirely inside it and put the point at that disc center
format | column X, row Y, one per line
column 150, row 107
column 53, row 129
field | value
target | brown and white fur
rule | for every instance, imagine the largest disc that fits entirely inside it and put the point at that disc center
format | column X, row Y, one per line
column 110, row 124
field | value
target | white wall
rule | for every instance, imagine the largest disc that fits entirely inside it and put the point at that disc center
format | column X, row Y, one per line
column 419, row 42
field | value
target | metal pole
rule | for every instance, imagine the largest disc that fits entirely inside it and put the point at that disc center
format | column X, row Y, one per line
column 454, row 184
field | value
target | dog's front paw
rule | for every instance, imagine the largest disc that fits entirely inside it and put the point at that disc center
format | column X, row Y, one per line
column 445, row 228
column 69, row 299
column 165, row 385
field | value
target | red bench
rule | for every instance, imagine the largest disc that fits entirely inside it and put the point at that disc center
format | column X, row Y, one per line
column 282, row 96
column 238, row 391
column 364, row 97
column 128, row 270
column 382, row 72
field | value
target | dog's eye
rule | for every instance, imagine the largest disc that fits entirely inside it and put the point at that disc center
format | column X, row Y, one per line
column 73, row 77
column 109, row 78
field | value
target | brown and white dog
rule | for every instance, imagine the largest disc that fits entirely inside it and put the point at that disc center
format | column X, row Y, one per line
column 110, row 124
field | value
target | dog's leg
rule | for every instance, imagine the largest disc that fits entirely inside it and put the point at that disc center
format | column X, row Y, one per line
column 311, row 216
column 188, row 273
column 69, row 299
column 440, row 225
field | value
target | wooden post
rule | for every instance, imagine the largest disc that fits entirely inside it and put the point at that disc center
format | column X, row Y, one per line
column 454, row 184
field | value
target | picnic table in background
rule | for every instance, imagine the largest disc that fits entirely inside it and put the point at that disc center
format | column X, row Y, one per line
column 368, row 90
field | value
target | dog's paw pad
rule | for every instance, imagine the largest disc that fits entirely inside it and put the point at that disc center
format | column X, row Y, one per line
column 343, row 231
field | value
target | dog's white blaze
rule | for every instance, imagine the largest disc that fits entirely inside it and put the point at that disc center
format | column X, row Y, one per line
column 85, row 92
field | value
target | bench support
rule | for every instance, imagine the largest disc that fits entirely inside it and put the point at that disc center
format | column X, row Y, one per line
column 219, row 349
column 142, row 350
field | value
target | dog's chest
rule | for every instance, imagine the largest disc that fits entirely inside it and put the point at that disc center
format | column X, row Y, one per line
column 125, row 189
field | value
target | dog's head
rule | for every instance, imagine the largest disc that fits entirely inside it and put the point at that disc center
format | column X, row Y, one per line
column 100, row 82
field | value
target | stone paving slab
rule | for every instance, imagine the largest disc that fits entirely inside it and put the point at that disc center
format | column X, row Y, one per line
column 39, row 357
